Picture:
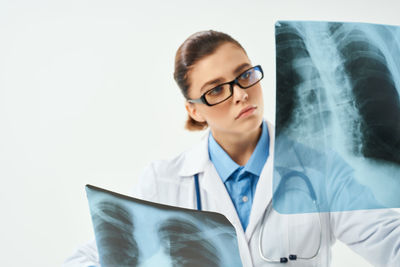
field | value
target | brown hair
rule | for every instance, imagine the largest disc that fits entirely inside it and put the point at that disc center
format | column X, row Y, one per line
column 193, row 49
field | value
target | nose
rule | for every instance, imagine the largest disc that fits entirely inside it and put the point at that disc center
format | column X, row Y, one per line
column 239, row 94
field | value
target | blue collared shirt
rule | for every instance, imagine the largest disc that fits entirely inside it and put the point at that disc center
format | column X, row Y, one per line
column 240, row 181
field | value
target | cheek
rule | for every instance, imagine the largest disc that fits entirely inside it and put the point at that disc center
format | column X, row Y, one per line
column 217, row 114
column 257, row 96
column 257, row 91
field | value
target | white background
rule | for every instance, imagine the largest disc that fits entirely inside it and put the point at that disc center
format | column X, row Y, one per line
column 87, row 96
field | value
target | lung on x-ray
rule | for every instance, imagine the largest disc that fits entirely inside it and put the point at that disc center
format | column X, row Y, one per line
column 133, row 232
column 337, row 116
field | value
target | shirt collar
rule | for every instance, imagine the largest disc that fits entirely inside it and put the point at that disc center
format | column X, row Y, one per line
column 223, row 163
column 260, row 153
column 225, row 166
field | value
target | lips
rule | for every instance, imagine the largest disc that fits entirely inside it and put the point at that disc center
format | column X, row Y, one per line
column 246, row 110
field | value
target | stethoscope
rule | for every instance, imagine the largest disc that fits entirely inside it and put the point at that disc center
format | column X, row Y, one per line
column 285, row 178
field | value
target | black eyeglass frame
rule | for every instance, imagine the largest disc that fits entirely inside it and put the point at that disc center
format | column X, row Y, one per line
column 203, row 99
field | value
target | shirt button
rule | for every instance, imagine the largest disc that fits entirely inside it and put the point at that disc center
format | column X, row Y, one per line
column 245, row 198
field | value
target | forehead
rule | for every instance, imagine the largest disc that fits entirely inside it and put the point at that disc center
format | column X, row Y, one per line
column 220, row 64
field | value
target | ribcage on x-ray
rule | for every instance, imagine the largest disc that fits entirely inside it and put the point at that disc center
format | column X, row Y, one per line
column 374, row 91
column 290, row 46
column 186, row 245
column 335, row 75
column 182, row 241
column 299, row 94
column 115, row 228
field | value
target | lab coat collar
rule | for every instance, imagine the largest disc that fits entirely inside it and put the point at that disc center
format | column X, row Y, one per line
column 195, row 159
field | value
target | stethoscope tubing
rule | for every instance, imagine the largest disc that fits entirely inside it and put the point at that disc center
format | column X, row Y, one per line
column 313, row 195
column 197, row 187
column 268, row 210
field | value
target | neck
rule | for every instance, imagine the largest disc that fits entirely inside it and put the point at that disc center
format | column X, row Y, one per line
column 238, row 146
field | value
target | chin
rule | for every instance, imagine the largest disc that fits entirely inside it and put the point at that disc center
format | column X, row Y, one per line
column 250, row 124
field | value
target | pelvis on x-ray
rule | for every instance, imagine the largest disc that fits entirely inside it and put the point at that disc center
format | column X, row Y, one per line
column 338, row 87
column 132, row 232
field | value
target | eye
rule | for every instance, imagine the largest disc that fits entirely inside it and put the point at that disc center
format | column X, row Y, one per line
column 246, row 75
column 216, row 91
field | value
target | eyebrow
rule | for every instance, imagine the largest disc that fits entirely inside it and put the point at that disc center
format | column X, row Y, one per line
column 219, row 80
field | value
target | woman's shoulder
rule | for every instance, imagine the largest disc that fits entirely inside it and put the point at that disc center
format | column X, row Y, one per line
column 161, row 177
column 183, row 164
column 154, row 175
column 166, row 166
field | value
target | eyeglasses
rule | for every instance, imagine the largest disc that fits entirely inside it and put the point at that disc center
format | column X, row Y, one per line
column 224, row 91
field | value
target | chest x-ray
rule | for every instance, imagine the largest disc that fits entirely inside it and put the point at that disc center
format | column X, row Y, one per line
column 132, row 232
column 338, row 113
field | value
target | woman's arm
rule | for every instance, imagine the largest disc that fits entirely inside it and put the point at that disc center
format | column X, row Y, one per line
column 84, row 256
column 357, row 220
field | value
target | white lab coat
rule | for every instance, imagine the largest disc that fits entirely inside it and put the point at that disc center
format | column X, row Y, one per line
column 374, row 234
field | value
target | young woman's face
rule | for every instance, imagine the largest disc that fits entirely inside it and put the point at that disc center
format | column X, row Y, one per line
column 228, row 117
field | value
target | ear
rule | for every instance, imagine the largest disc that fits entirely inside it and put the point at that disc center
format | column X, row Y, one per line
column 193, row 112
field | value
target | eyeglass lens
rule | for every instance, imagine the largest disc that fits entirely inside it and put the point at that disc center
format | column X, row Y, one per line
column 222, row 92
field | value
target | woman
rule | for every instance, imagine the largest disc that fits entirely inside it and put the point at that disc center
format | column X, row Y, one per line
column 233, row 167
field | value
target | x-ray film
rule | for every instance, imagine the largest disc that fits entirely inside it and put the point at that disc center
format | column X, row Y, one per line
column 337, row 116
column 133, row 232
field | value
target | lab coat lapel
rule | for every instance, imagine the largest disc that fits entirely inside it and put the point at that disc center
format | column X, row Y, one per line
column 263, row 194
column 218, row 196
column 214, row 195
